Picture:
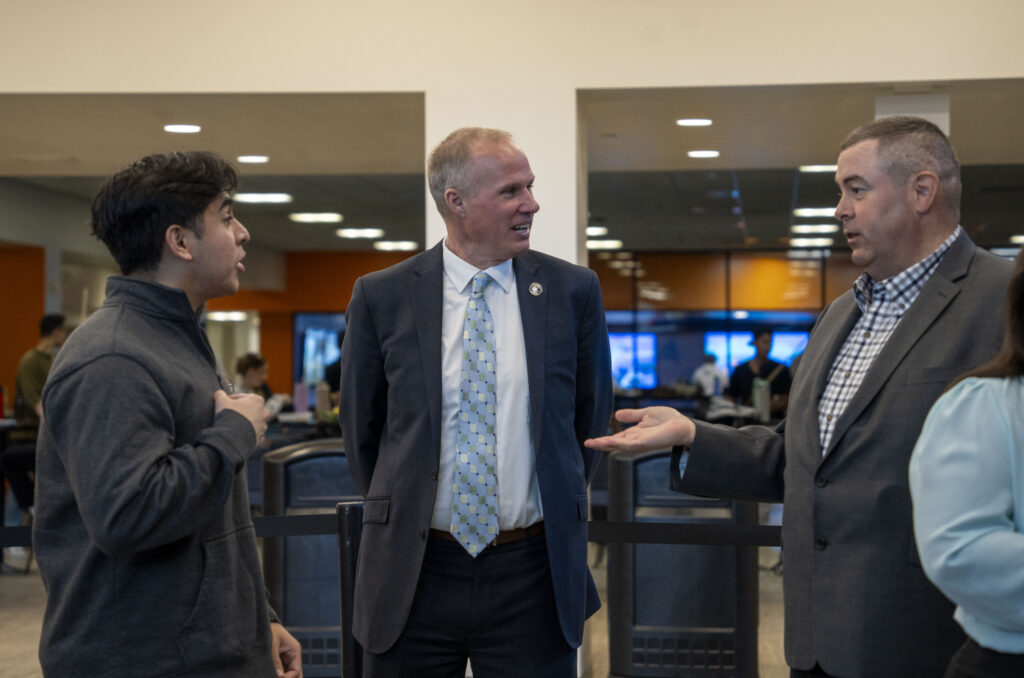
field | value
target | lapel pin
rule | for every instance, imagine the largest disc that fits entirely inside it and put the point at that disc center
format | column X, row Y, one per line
column 536, row 289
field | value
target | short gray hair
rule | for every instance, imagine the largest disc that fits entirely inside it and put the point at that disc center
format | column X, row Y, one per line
column 907, row 145
column 448, row 164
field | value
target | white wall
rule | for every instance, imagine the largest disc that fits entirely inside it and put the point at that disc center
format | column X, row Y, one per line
column 516, row 66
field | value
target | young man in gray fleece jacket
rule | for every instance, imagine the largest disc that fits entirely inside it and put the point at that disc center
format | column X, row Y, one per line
column 142, row 532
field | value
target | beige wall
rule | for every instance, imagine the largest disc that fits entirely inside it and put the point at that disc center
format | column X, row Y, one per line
column 516, row 66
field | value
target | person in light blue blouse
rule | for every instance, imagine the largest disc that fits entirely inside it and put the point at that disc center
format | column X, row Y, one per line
column 967, row 485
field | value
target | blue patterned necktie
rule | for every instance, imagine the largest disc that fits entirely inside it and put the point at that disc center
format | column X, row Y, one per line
column 475, row 502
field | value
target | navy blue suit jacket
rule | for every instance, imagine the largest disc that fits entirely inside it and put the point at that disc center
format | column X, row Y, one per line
column 391, row 423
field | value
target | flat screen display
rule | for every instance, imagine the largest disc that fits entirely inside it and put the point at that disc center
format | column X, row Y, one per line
column 733, row 348
column 634, row 359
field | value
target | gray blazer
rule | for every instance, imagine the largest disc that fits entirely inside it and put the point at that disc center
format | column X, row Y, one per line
column 391, row 423
column 856, row 599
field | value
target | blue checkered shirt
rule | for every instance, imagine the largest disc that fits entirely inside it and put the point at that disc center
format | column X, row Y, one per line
column 882, row 305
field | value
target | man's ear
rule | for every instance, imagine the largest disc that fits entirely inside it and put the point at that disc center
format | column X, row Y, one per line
column 453, row 201
column 178, row 240
column 925, row 186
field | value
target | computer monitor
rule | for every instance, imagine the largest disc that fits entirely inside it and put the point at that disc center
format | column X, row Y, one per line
column 634, row 359
column 315, row 344
column 733, row 348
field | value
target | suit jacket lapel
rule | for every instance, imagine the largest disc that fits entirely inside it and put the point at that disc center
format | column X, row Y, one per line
column 937, row 294
column 426, row 290
column 533, row 310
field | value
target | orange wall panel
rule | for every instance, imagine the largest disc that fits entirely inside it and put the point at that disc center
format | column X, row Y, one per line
column 314, row 281
column 23, row 291
column 773, row 282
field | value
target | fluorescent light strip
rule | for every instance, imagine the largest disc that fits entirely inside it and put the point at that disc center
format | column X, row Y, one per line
column 811, row 242
column 694, row 122
column 703, row 154
column 596, row 231
column 805, row 229
column 814, row 212
column 227, row 316
column 183, row 129
column 604, row 244
column 395, row 245
column 316, row 217
column 254, row 159
column 1017, row 239
column 360, row 233
column 818, row 168
column 259, row 198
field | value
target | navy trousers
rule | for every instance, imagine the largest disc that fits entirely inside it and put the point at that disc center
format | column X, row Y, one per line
column 496, row 610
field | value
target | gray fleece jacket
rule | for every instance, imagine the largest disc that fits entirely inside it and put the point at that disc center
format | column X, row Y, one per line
column 142, row 533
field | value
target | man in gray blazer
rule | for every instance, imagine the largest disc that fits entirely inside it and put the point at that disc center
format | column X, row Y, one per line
column 926, row 308
column 471, row 457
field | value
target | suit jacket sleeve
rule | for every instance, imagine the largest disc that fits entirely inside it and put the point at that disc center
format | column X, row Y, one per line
column 363, row 398
column 593, row 378
column 745, row 463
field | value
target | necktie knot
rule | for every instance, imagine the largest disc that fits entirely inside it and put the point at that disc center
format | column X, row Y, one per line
column 480, row 281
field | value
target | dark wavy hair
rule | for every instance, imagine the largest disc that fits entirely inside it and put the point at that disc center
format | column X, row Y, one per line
column 134, row 208
column 1009, row 362
column 249, row 361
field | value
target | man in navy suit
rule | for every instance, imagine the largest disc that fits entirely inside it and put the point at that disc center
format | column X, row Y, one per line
column 426, row 601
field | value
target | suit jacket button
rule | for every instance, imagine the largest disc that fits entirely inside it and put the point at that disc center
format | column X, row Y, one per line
column 820, row 544
column 423, row 535
column 433, row 474
column 820, row 482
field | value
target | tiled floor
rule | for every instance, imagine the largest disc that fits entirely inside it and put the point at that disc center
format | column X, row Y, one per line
column 22, row 599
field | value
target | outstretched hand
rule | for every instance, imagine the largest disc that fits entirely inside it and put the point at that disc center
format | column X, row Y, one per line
column 657, row 428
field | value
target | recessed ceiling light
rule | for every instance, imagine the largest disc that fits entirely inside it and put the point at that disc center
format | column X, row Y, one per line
column 227, row 316
column 805, row 229
column 604, row 244
column 811, row 242
column 702, row 154
column 276, row 198
column 359, row 232
column 596, row 230
column 814, row 212
column 395, row 245
column 254, row 159
column 183, row 129
column 316, row 217
column 818, row 168
column 694, row 122
column 1017, row 239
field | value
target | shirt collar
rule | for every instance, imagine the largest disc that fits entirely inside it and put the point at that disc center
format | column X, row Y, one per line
column 905, row 285
column 461, row 272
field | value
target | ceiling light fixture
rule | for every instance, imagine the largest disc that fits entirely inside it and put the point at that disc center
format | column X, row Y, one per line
column 227, row 316
column 316, row 217
column 257, row 198
column 703, row 154
column 395, row 245
column 183, row 129
column 811, row 242
column 1017, row 239
column 694, row 122
column 807, row 229
column 254, row 159
column 597, row 231
column 818, row 168
column 604, row 244
column 360, row 233
column 814, row 212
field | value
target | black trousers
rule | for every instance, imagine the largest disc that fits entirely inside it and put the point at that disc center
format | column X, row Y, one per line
column 18, row 462
column 496, row 610
column 974, row 661
column 816, row 672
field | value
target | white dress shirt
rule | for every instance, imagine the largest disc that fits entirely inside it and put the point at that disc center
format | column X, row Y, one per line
column 518, row 492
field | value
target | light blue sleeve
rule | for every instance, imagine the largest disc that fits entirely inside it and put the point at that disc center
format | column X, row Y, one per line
column 965, row 484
